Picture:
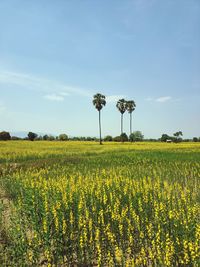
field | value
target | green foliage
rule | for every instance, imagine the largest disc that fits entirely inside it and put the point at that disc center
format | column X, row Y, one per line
column 177, row 134
column 39, row 138
column 177, row 138
column 4, row 136
column 117, row 139
column 99, row 101
column 130, row 106
column 121, row 105
column 121, row 138
column 136, row 136
column 45, row 137
column 16, row 138
column 124, row 137
column 108, row 138
column 63, row 137
column 165, row 137
column 51, row 138
column 32, row 136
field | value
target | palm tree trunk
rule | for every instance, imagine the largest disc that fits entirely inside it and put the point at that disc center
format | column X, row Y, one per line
column 121, row 123
column 130, row 123
column 100, row 128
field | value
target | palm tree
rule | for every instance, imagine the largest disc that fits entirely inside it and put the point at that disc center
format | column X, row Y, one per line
column 121, row 105
column 99, row 101
column 130, row 106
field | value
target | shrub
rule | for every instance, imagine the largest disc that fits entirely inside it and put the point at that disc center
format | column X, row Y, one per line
column 32, row 136
column 108, row 138
column 136, row 136
column 5, row 136
column 124, row 137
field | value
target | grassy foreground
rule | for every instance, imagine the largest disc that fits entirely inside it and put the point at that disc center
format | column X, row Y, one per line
column 81, row 204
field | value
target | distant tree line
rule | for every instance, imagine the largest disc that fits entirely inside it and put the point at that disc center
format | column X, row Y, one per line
column 136, row 136
column 33, row 136
column 177, row 138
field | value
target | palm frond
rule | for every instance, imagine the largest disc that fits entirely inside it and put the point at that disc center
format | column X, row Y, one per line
column 99, row 101
column 130, row 106
column 121, row 105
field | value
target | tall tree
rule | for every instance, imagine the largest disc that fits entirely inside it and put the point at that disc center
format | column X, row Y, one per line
column 136, row 136
column 99, row 101
column 121, row 105
column 5, row 136
column 130, row 106
column 32, row 136
column 177, row 136
column 63, row 137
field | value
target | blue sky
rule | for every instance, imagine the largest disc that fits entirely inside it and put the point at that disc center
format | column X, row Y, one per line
column 55, row 55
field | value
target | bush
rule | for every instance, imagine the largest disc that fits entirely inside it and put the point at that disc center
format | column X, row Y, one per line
column 16, row 138
column 45, row 137
column 177, row 140
column 39, row 138
column 63, row 137
column 32, row 136
column 136, row 136
column 124, row 137
column 117, row 139
column 5, row 136
column 51, row 138
column 108, row 138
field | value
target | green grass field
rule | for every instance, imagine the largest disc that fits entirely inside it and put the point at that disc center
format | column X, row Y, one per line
column 81, row 204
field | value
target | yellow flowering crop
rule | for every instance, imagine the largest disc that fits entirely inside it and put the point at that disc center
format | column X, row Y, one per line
column 81, row 204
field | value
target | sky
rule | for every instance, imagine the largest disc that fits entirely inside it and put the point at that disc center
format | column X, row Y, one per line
column 55, row 55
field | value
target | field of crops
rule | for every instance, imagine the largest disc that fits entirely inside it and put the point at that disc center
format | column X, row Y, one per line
column 82, row 204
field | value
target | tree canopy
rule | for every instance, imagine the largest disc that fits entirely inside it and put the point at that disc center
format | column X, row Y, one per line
column 99, row 101
column 136, row 136
column 32, row 136
column 121, row 105
column 130, row 106
column 63, row 137
column 5, row 136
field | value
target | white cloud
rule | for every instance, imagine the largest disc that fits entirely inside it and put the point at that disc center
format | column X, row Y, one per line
column 47, row 86
column 51, row 89
column 163, row 99
column 57, row 97
column 114, row 98
column 54, row 97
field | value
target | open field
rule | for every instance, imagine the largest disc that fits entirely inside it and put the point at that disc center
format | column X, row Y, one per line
column 81, row 204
